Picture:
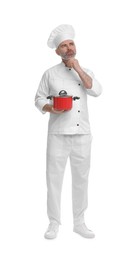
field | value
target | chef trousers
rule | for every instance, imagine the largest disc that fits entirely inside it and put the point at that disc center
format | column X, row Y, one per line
column 78, row 148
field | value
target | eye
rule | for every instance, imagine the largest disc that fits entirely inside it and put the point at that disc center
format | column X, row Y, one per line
column 63, row 46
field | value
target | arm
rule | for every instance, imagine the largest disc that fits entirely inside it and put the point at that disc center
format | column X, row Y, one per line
column 42, row 93
column 86, row 79
column 92, row 86
column 50, row 109
column 41, row 101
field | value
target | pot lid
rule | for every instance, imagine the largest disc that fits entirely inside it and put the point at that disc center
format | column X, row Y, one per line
column 63, row 93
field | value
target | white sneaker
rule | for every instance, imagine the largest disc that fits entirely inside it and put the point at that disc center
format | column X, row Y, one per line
column 52, row 230
column 83, row 231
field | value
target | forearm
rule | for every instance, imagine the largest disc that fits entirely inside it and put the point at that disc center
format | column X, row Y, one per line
column 86, row 79
column 50, row 109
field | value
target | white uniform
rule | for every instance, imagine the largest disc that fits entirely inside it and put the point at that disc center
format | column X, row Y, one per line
column 69, row 135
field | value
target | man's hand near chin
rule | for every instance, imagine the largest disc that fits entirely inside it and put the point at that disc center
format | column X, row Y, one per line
column 86, row 79
column 73, row 63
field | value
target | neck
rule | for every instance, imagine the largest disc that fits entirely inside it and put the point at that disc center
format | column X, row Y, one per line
column 65, row 62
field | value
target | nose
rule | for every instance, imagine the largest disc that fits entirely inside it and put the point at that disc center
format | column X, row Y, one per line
column 68, row 47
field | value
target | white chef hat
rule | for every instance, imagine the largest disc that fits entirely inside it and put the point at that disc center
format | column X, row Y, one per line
column 61, row 33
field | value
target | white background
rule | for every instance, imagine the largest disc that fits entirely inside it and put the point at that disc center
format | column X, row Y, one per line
column 104, row 45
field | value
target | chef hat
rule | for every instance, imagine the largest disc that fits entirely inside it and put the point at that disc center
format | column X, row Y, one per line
column 61, row 33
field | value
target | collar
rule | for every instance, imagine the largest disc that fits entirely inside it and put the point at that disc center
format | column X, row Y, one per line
column 63, row 64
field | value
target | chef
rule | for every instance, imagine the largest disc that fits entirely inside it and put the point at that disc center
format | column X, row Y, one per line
column 69, row 134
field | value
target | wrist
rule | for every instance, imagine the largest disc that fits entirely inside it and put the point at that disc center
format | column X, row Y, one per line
column 76, row 64
column 47, row 108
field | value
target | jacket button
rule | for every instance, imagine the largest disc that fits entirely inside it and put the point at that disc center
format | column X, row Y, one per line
column 77, row 124
column 69, row 69
column 78, row 111
column 79, row 84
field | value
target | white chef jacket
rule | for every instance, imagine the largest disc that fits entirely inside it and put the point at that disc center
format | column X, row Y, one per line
column 60, row 77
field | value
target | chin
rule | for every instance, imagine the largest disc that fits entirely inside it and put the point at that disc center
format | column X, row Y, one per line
column 70, row 57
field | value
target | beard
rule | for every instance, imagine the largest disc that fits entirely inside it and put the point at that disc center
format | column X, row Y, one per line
column 68, row 55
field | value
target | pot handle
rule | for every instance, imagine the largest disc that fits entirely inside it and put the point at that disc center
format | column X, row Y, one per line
column 50, row 97
column 62, row 93
column 74, row 98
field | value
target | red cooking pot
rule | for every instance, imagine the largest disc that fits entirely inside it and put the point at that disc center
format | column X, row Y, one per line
column 63, row 101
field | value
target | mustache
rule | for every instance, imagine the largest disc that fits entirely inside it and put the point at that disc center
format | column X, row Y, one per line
column 66, row 55
column 70, row 52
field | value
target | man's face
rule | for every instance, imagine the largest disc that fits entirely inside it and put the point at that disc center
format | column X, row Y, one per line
column 66, row 50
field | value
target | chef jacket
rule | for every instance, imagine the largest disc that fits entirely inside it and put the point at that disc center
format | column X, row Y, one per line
column 60, row 77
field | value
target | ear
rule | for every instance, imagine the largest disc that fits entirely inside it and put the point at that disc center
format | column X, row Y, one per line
column 57, row 51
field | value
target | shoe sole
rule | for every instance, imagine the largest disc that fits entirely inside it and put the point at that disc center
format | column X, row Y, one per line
column 83, row 235
column 47, row 237
column 50, row 237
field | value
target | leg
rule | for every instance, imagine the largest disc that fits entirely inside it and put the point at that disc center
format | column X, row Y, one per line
column 80, row 165
column 57, row 154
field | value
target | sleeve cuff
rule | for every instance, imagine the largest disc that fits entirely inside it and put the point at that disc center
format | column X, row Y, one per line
column 40, row 104
column 96, row 89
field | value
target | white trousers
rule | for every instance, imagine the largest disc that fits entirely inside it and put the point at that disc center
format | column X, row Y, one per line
column 78, row 149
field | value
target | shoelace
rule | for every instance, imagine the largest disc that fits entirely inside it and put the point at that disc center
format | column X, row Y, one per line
column 52, row 226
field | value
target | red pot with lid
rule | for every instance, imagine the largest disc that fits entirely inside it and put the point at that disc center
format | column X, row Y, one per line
column 63, row 101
